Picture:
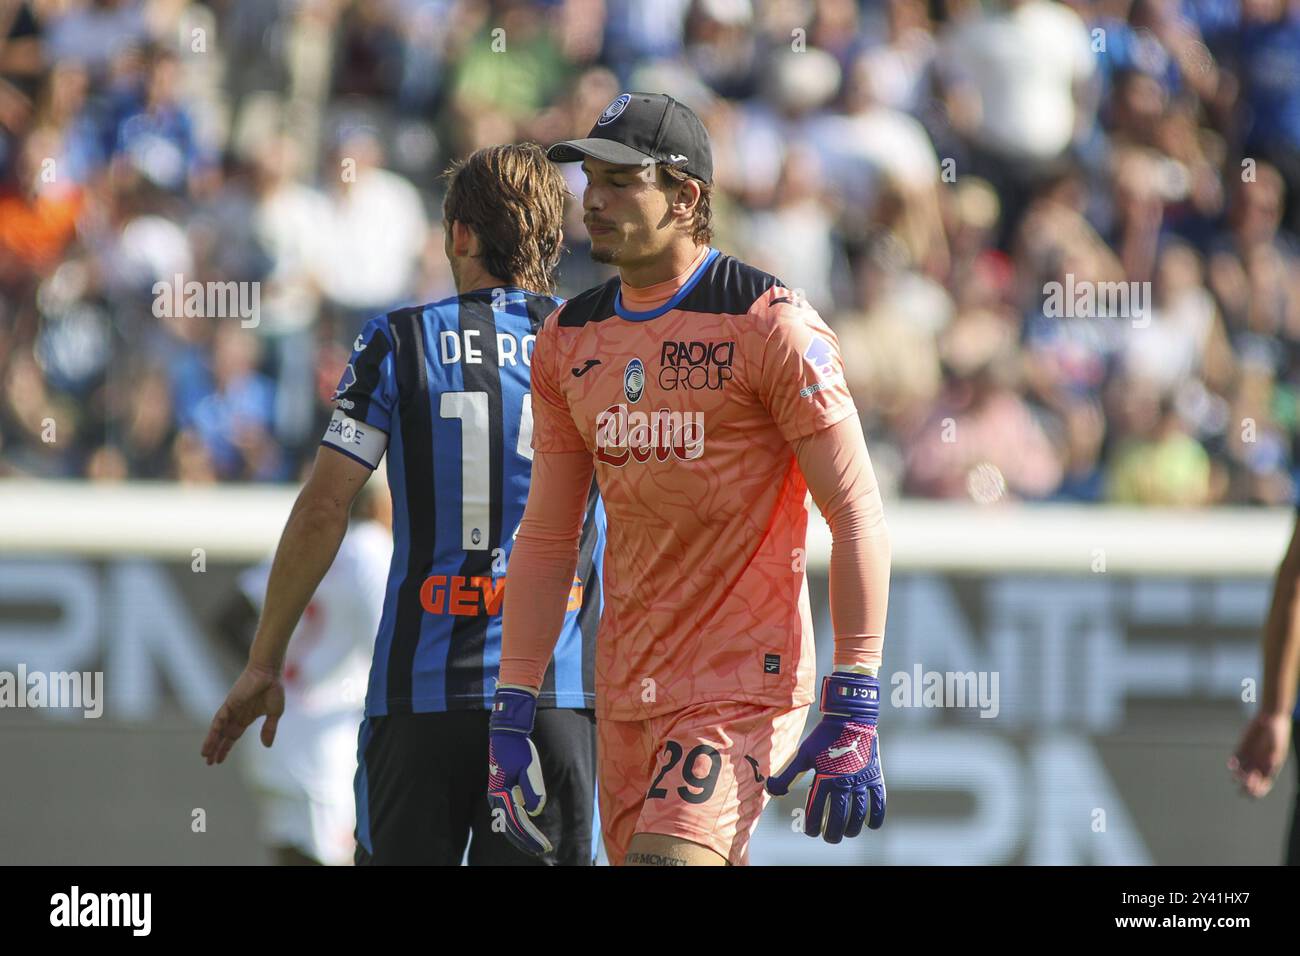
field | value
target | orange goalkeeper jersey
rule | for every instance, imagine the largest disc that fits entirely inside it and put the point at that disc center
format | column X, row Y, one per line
column 688, row 395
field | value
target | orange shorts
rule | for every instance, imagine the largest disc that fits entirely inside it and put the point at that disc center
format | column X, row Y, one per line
column 696, row 773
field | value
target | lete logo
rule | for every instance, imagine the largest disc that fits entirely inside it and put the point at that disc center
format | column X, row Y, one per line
column 624, row 435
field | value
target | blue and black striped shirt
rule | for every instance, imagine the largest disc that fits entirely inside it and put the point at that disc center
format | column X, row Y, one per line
column 443, row 389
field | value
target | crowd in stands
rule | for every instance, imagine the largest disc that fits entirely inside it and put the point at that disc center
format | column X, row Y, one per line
column 1057, row 240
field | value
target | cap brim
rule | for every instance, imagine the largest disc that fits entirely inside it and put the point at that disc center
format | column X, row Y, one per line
column 573, row 151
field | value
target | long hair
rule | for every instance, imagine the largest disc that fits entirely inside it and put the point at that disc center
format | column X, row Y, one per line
column 512, row 196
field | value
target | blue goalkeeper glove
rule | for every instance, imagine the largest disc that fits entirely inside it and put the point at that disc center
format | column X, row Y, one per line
column 848, row 787
column 515, row 788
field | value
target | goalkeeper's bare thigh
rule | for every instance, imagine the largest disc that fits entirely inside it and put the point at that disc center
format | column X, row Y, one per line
column 696, row 774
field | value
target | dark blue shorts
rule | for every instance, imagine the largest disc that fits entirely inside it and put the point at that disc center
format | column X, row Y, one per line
column 421, row 790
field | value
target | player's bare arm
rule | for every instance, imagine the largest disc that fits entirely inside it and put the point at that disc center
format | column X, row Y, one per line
column 1261, row 753
column 307, row 547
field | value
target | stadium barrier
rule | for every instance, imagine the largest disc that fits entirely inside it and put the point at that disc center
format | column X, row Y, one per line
column 1063, row 683
column 243, row 522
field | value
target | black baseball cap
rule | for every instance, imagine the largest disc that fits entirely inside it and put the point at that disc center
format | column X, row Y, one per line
column 637, row 126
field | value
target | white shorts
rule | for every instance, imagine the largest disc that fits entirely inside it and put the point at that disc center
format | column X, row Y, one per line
column 303, row 785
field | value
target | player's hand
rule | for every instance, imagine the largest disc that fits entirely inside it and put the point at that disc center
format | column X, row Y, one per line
column 515, row 787
column 1261, row 753
column 848, row 786
column 257, row 693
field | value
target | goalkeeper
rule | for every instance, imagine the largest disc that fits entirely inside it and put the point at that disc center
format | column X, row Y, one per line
column 708, row 399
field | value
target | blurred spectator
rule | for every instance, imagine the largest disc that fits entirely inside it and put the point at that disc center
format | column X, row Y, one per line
column 1014, row 75
column 794, row 239
column 981, row 426
column 149, row 426
column 881, row 168
column 1183, row 339
column 1270, row 49
column 1158, row 463
column 234, row 417
column 373, row 231
column 896, row 68
column 155, row 134
column 38, row 210
column 722, row 48
column 513, row 66
column 286, row 215
column 94, row 33
column 636, row 30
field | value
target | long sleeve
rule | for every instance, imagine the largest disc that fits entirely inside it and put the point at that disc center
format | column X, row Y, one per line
column 542, row 565
column 837, row 468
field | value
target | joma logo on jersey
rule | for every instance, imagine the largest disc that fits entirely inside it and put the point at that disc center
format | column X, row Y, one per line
column 640, row 436
column 472, row 596
column 695, row 364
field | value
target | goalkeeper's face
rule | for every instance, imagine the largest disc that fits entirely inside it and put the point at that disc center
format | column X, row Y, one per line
column 627, row 212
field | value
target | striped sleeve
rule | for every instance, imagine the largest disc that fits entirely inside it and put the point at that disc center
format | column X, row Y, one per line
column 365, row 397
